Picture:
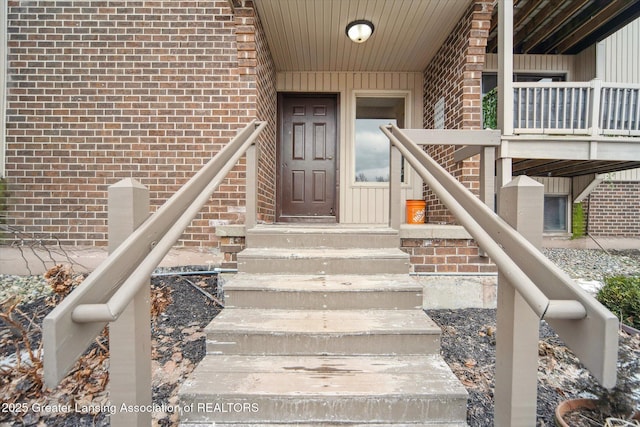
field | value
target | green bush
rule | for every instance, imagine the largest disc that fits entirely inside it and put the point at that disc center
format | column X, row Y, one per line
column 621, row 295
column 578, row 221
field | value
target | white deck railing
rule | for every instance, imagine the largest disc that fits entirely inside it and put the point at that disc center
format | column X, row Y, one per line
column 593, row 108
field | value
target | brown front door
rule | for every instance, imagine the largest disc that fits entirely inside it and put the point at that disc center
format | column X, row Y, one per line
column 307, row 159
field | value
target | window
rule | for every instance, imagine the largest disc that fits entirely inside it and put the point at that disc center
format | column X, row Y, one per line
column 371, row 145
column 555, row 214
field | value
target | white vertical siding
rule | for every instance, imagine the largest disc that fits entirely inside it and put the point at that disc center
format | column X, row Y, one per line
column 628, row 175
column 555, row 185
column 361, row 203
column 585, row 65
column 622, row 55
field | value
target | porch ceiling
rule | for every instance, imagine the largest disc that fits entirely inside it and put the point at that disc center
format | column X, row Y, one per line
column 568, row 168
column 564, row 27
column 309, row 35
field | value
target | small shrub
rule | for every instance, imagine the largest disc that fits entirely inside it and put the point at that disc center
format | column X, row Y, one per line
column 578, row 221
column 621, row 295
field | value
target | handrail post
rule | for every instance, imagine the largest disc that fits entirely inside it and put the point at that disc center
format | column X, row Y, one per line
column 251, row 187
column 395, row 199
column 130, row 335
column 520, row 205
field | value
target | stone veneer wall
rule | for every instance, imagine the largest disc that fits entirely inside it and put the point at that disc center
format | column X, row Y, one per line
column 104, row 90
column 455, row 76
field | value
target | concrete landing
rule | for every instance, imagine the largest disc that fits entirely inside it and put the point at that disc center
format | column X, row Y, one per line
column 335, row 236
column 292, row 389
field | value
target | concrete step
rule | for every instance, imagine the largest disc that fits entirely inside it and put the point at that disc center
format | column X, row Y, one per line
column 312, row 390
column 323, row 261
column 337, row 236
column 322, row 292
column 322, row 332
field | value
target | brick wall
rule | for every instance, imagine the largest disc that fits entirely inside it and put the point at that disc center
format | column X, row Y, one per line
column 446, row 256
column 255, row 60
column 455, row 74
column 613, row 209
column 267, row 110
column 104, row 90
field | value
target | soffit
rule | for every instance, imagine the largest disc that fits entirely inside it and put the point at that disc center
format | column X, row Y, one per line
column 568, row 168
column 309, row 35
column 563, row 26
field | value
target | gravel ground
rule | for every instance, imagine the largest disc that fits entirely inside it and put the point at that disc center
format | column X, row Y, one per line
column 468, row 345
column 595, row 264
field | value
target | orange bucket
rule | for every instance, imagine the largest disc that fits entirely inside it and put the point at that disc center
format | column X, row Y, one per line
column 416, row 211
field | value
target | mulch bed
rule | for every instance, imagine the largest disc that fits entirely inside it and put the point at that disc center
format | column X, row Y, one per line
column 468, row 346
column 178, row 344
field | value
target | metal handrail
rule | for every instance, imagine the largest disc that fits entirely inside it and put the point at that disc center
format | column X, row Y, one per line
column 176, row 214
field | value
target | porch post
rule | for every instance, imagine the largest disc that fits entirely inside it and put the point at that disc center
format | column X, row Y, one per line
column 130, row 335
column 505, row 66
column 505, row 85
column 395, row 201
column 516, row 375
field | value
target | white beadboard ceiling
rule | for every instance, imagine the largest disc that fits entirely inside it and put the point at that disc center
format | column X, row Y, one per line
column 309, row 35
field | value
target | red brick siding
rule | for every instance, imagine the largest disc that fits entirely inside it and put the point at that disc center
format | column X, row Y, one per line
column 455, row 73
column 613, row 209
column 446, row 256
column 104, row 90
column 255, row 59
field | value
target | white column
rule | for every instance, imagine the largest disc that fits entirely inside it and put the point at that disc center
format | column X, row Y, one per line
column 505, row 86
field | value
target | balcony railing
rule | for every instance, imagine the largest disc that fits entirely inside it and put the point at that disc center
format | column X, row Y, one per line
column 592, row 108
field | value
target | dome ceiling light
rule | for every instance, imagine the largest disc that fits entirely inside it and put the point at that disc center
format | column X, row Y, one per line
column 360, row 30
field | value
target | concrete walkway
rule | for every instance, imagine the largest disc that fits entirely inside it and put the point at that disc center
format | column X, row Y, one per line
column 607, row 243
column 29, row 260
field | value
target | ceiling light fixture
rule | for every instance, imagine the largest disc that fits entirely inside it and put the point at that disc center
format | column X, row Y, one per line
column 360, row 30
